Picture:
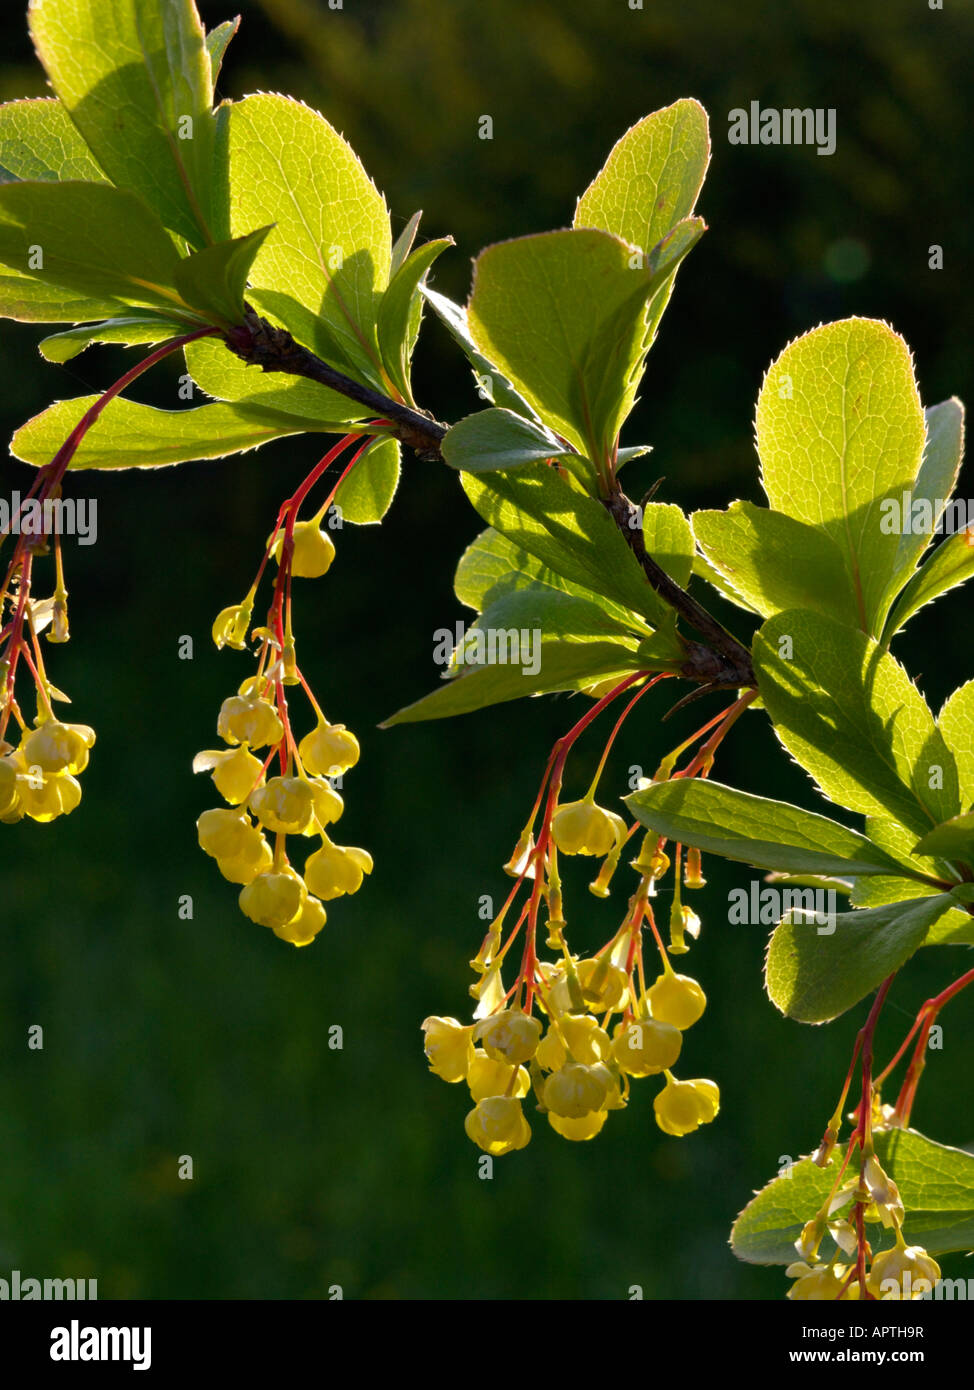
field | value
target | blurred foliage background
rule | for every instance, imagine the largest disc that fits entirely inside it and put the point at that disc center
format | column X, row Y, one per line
column 315, row 1167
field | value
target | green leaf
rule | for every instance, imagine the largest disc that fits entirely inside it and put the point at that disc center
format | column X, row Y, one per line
column 213, row 281
column 956, row 722
column 219, row 372
column 554, row 520
column 775, row 562
column 492, row 566
column 936, row 1184
column 31, row 300
column 129, row 435
column 950, row 564
column 849, row 713
column 839, row 428
column 91, row 239
column 138, row 84
column 143, row 328
column 401, row 310
column 39, row 140
column 493, row 439
column 924, row 505
column 955, row 927
column 564, row 666
column 563, row 314
column 492, row 385
column 404, row 243
column 553, row 616
column 366, row 494
column 331, row 245
column 754, row 830
column 816, row 970
column 217, row 42
column 669, row 540
column 954, row 839
column 634, row 451
column 713, row 576
column 652, row 176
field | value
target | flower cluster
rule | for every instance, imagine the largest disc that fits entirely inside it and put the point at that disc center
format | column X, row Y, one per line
column 900, row 1272
column 576, row 1031
column 249, row 838
column 39, row 778
column 39, row 773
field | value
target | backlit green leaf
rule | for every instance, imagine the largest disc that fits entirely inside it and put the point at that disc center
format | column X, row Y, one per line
column 851, row 716
column 331, row 245
column 754, row 830
column 839, row 428
column 129, row 435
column 137, row 81
column 817, row 969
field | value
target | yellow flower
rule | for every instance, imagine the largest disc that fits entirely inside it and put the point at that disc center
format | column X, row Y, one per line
column 313, row 550
column 336, row 869
column 582, row 827
column 683, row 1106
column 274, row 899
column 646, row 1047
column 8, row 787
column 230, row 627
column 226, row 834
column 284, row 803
column 497, row 1125
column 235, row 771
column 604, row 985
column 577, row 1034
column 886, row 1205
column 449, row 1047
column 328, row 806
column 676, row 999
column 583, row 1127
column 575, row 1090
column 814, row 1283
column 905, row 1272
column 255, row 859
column 57, row 747
column 46, row 795
column 328, row 750
column 306, row 926
column 486, row 1077
column 509, row 1036
column 247, row 720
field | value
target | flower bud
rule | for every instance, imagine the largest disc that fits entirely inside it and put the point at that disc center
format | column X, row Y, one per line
column 509, row 1036
column 582, row 827
column 676, row 999
column 273, row 899
column 497, row 1125
column 646, row 1046
column 683, row 1106
column 328, row 750
column 449, row 1047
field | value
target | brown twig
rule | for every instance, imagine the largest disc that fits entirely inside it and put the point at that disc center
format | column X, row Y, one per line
column 719, row 662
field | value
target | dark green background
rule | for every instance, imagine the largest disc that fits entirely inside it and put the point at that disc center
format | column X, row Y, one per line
column 165, row 1037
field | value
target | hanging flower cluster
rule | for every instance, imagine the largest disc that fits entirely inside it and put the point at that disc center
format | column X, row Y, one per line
column 576, row 1031
column 249, row 837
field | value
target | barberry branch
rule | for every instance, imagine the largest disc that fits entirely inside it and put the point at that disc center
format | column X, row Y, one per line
column 719, row 661
column 260, row 344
